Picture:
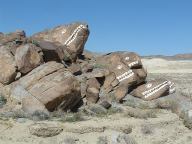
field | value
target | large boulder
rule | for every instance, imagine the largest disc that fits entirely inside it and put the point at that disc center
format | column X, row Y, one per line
column 28, row 57
column 125, row 72
column 72, row 36
column 7, row 66
column 52, row 86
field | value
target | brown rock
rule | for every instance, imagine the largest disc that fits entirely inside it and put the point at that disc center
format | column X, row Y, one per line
column 141, row 75
column 152, row 89
column 17, row 36
column 59, row 90
column 28, row 57
column 52, row 51
column 131, row 59
column 38, row 73
column 93, row 87
column 31, row 105
column 73, row 36
column 7, row 66
column 53, row 86
column 121, row 92
column 75, row 69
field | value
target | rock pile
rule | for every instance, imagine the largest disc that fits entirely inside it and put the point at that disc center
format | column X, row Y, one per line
column 50, row 70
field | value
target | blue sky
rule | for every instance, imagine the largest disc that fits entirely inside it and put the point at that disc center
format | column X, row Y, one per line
column 143, row 26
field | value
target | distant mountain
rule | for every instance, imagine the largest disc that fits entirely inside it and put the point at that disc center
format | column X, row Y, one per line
column 187, row 56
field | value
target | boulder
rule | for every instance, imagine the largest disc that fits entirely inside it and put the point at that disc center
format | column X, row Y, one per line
column 7, row 66
column 31, row 105
column 52, row 51
column 28, row 57
column 120, row 92
column 73, row 36
column 47, row 88
column 59, row 90
column 92, row 93
column 152, row 89
column 38, row 73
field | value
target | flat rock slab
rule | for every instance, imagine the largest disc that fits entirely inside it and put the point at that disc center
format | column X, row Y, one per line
column 45, row 129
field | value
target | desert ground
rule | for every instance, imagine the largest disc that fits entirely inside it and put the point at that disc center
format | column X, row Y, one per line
column 120, row 125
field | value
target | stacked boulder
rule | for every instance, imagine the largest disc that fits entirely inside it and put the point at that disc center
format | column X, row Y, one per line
column 50, row 70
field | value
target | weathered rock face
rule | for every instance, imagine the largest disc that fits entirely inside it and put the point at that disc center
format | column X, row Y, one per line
column 72, row 36
column 53, row 86
column 153, row 89
column 126, row 71
column 38, row 73
column 7, row 66
column 28, row 57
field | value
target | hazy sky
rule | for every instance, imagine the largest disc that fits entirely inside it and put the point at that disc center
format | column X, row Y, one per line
column 144, row 26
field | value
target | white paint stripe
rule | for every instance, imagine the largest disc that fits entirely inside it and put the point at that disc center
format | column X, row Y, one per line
column 126, row 77
column 148, row 91
column 74, row 34
column 149, row 94
column 133, row 63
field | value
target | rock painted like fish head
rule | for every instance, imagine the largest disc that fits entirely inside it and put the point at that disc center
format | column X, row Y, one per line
column 131, row 59
column 154, row 89
column 123, row 73
column 73, row 36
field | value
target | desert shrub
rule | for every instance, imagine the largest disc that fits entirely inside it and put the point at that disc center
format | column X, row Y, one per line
column 141, row 114
column 2, row 101
column 114, row 110
column 187, row 122
column 38, row 116
column 72, row 117
column 68, row 140
column 146, row 129
column 126, row 139
column 102, row 140
column 14, row 114
column 187, row 92
column 97, row 65
column 94, row 110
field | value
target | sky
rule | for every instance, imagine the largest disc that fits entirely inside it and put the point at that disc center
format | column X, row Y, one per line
column 147, row 27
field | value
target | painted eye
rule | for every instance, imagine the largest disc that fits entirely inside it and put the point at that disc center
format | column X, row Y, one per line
column 63, row 31
column 119, row 67
column 126, row 58
column 149, row 85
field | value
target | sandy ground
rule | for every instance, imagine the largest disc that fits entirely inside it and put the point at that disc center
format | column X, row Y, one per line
column 157, row 65
column 166, row 128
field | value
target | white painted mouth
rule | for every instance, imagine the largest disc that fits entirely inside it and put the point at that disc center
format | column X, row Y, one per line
column 74, row 34
column 150, row 92
column 133, row 63
column 125, row 75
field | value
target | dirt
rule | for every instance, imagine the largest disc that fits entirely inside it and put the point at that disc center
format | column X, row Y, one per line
column 166, row 127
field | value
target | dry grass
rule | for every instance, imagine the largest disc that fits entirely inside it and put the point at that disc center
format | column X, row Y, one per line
column 146, row 129
column 140, row 113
